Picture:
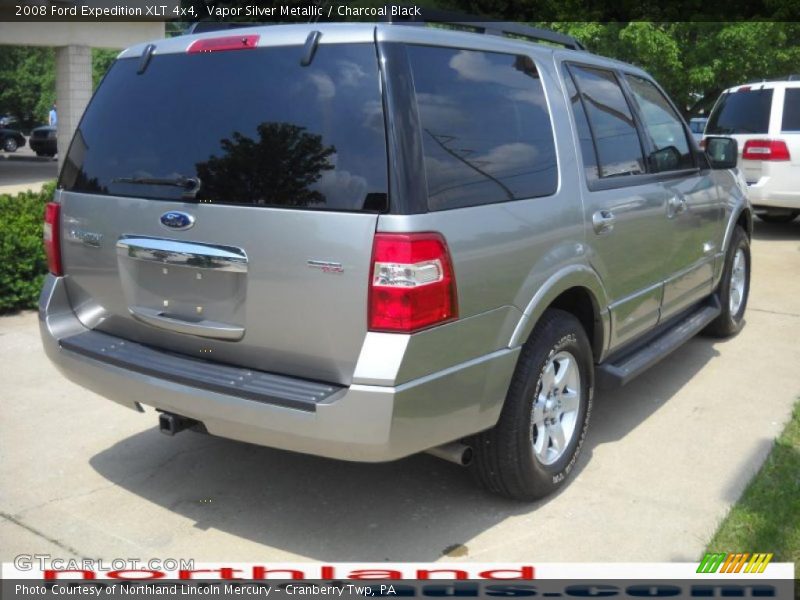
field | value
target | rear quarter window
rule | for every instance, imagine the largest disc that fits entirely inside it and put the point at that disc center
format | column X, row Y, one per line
column 486, row 130
column 254, row 126
column 791, row 111
column 741, row 112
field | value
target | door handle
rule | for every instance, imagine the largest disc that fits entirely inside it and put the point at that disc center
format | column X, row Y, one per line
column 676, row 205
column 603, row 221
column 202, row 328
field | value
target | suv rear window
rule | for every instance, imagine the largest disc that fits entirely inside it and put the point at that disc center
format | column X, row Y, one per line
column 741, row 112
column 791, row 111
column 253, row 126
column 486, row 129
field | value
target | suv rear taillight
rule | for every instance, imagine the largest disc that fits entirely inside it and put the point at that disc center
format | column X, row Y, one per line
column 765, row 150
column 412, row 284
column 52, row 237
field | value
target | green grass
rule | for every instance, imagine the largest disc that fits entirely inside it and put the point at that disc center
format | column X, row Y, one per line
column 767, row 516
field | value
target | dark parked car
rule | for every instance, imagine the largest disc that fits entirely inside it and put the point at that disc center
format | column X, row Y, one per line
column 11, row 139
column 43, row 141
column 8, row 121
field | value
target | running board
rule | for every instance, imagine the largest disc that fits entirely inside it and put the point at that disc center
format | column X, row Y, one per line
column 622, row 370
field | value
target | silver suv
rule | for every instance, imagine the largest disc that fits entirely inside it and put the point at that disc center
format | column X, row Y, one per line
column 366, row 241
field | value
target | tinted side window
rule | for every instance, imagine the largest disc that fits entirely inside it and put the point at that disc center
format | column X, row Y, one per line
column 582, row 125
column 486, row 130
column 791, row 110
column 253, row 126
column 670, row 148
column 616, row 139
column 741, row 112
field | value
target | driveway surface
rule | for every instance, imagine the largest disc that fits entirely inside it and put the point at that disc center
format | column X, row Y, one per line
column 665, row 459
column 23, row 170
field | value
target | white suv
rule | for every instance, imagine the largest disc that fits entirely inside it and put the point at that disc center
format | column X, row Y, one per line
column 765, row 120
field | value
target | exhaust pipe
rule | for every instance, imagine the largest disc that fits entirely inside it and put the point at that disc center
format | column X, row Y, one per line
column 170, row 424
column 454, row 452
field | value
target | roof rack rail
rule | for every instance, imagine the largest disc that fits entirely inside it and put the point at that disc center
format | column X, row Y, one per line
column 477, row 24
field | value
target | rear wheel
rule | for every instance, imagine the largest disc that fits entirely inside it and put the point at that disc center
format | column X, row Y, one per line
column 10, row 144
column 734, row 288
column 779, row 217
column 536, row 442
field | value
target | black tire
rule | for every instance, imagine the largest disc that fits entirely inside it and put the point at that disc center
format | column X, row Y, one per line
column 787, row 217
column 40, row 153
column 728, row 323
column 504, row 459
column 10, row 144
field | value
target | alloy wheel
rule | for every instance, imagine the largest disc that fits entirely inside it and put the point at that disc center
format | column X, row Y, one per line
column 738, row 280
column 555, row 409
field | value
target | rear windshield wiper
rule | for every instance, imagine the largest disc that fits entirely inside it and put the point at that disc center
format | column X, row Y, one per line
column 191, row 185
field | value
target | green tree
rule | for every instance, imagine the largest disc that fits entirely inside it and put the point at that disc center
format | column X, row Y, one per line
column 101, row 62
column 27, row 83
column 695, row 61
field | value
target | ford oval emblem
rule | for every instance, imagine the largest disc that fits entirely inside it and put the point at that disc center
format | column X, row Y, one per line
column 176, row 219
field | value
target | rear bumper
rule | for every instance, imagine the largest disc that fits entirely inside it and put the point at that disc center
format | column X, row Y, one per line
column 774, row 186
column 770, row 198
column 369, row 423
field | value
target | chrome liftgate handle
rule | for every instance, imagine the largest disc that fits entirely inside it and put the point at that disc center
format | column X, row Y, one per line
column 202, row 328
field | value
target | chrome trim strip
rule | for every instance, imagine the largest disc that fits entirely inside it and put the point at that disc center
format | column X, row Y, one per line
column 638, row 294
column 183, row 254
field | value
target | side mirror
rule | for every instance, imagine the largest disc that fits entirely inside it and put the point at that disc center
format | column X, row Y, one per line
column 722, row 152
column 665, row 159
